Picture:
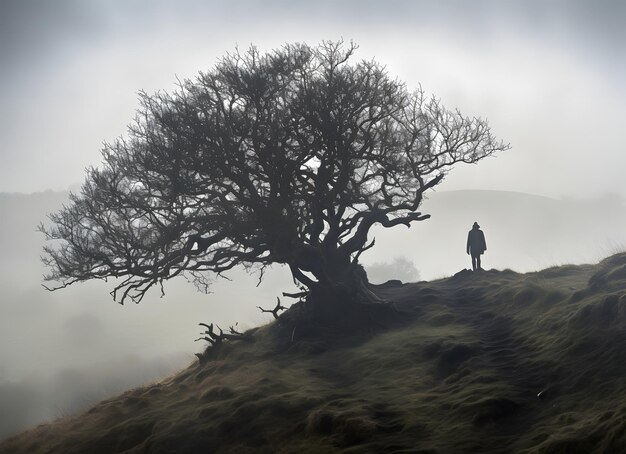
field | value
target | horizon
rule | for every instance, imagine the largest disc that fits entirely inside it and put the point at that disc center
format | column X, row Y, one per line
column 75, row 188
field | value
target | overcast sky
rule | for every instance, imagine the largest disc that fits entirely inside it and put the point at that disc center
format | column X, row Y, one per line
column 548, row 75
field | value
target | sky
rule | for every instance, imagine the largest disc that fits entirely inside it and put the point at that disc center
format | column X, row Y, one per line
column 548, row 76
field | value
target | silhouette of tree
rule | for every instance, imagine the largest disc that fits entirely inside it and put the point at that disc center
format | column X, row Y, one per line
column 285, row 157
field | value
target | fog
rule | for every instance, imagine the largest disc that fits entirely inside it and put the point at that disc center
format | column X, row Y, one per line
column 67, row 349
column 548, row 76
column 62, row 351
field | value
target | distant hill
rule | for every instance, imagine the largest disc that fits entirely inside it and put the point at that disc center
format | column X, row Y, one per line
column 64, row 351
column 485, row 362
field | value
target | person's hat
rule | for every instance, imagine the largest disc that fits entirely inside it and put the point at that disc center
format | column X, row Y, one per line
column 476, row 226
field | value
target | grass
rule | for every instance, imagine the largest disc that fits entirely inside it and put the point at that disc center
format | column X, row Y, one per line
column 480, row 362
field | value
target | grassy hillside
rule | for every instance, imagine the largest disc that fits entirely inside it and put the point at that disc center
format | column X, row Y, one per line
column 80, row 332
column 493, row 361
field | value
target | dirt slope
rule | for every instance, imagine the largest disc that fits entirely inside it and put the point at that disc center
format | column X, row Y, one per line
column 481, row 362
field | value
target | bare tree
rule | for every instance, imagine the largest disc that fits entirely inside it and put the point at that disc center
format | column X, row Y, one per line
column 285, row 157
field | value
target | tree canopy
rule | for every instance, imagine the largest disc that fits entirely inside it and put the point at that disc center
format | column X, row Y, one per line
column 286, row 157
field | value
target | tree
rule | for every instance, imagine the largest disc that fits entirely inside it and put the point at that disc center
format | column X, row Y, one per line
column 286, row 157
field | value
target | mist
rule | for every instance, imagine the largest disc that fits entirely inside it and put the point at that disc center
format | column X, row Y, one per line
column 548, row 76
column 63, row 351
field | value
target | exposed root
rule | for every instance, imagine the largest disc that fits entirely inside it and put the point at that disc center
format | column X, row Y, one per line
column 326, row 321
column 215, row 336
column 279, row 307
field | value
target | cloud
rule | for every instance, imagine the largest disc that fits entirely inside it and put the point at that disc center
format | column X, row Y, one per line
column 79, row 64
column 544, row 73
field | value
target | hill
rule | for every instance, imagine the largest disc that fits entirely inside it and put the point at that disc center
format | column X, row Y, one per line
column 64, row 351
column 492, row 361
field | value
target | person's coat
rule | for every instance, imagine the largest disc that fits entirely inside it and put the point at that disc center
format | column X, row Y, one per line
column 476, row 244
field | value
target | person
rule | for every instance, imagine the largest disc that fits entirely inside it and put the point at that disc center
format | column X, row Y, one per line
column 476, row 245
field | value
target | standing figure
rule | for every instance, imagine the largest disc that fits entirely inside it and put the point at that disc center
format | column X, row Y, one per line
column 476, row 245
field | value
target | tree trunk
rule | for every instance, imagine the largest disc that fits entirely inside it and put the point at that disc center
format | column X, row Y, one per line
column 338, row 280
column 341, row 302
